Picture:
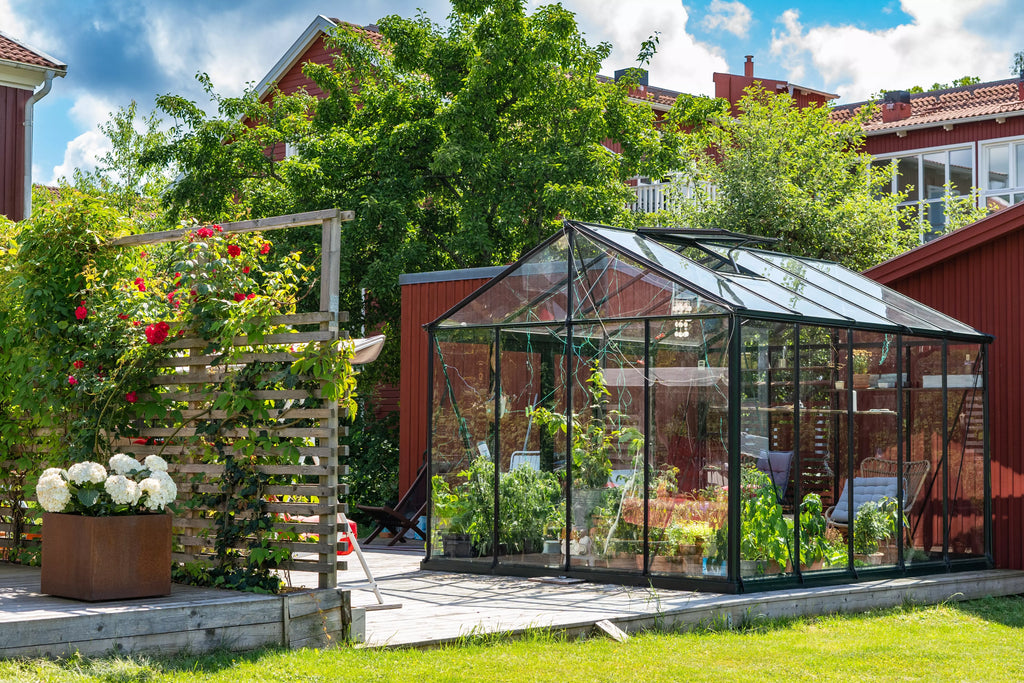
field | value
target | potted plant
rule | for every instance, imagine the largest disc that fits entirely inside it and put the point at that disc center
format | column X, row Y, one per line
column 451, row 519
column 765, row 533
column 106, row 536
column 873, row 523
column 861, row 365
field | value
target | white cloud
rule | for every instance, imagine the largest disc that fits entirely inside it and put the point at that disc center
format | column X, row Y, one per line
column 82, row 153
column 734, row 17
column 682, row 63
column 944, row 40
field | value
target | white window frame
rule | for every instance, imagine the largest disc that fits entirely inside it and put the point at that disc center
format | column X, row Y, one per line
column 1015, row 184
column 923, row 202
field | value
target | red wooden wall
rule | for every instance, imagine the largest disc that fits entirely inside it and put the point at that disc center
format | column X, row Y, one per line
column 977, row 275
column 937, row 136
column 425, row 297
column 12, row 151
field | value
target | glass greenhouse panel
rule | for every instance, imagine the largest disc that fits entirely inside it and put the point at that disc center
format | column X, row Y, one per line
column 688, row 454
column 877, row 486
column 766, row 448
column 609, row 285
column 822, row 437
column 965, row 483
column 461, row 444
column 923, row 415
column 688, row 272
column 531, row 497
column 535, row 291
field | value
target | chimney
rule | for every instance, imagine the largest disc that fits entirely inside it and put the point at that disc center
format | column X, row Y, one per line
column 896, row 106
column 748, row 67
column 641, row 75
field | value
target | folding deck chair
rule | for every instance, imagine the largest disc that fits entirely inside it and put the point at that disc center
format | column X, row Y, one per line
column 404, row 516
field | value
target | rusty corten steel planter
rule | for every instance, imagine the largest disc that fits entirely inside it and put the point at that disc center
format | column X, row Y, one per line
column 106, row 558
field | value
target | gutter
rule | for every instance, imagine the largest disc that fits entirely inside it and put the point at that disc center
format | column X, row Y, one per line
column 29, row 111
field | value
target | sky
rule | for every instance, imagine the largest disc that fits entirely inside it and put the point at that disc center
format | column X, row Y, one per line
column 118, row 51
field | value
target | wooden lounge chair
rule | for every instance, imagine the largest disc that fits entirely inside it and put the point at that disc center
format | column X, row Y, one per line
column 404, row 516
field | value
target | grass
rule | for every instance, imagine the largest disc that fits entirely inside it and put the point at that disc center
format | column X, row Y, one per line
column 977, row 641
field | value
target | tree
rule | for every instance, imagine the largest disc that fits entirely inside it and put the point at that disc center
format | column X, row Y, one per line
column 791, row 173
column 128, row 184
column 457, row 147
column 1017, row 65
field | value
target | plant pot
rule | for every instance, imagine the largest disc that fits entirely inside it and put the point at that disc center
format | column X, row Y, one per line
column 106, row 558
column 457, row 545
column 861, row 381
column 872, row 559
column 583, row 503
column 552, row 547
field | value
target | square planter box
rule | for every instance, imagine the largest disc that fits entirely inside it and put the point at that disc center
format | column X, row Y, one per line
column 106, row 558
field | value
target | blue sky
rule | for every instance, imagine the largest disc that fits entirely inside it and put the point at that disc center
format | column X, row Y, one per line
column 118, row 51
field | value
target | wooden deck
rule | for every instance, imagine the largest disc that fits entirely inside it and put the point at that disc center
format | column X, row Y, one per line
column 192, row 619
column 439, row 607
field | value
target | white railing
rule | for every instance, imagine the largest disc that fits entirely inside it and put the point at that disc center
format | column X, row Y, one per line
column 652, row 197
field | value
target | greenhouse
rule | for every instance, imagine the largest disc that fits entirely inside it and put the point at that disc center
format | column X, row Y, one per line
column 690, row 409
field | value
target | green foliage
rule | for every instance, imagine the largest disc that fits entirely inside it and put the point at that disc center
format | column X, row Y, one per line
column 531, row 506
column 873, row 522
column 372, row 476
column 956, row 83
column 462, row 146
column 791, row 173
column 765, row 532
column 595, row 433
column 1017, row 65
column 121, row 177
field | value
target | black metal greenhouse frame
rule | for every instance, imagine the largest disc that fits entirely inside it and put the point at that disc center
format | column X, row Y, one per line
column 732, row 582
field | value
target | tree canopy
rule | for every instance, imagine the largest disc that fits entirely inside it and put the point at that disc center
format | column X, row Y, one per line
column 457, row 146
column 792, row 173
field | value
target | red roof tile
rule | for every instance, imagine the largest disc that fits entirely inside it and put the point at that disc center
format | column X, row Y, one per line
column 14, row 51
column 940, row 106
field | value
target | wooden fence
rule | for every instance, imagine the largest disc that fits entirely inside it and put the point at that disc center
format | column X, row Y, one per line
column 303, row 493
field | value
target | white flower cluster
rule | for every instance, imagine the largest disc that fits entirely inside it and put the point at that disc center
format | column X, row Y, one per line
column 87, row 473
column 122, row 463
column 122, row 490
column 159, row 489
column 52, row 490
column 65, row 490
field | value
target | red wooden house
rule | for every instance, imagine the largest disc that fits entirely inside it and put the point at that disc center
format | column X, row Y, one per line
column 975, row 275
column 26, row 75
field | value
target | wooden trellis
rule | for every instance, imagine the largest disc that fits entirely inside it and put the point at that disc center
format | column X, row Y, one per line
column 194, row 381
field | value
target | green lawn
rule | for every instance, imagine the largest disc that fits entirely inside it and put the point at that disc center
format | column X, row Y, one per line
column 974, row 641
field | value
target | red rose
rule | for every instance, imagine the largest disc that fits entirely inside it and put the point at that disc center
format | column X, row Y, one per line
column 239, row 296
column 265, row 249
column 135, row 323
column 79, row 364
column 218, row 228
column 122, row 316
column 204, row 233
column 250, row 296
column 141, row 284
column 131, row 397
column 234, row 250
column 245, row 270
column 143, row 254
column 81, row 312
column 156, row 334
column 71, row 380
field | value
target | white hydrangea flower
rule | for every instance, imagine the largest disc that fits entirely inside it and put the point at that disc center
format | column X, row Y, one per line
column 122, row 490
column 52, row 492
column 154, row 463
column 51, row 471
column 87, row 472
column 122, row 463
column 159, row 489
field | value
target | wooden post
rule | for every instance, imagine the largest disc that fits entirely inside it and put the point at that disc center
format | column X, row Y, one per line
column 330, row 272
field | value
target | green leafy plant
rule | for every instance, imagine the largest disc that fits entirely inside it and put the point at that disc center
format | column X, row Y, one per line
column 873, row 523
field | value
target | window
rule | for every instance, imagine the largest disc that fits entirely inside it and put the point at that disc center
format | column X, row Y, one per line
column 923, row 177
column 1002, row 173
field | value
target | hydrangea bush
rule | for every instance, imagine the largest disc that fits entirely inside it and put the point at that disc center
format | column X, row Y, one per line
column 129, row 487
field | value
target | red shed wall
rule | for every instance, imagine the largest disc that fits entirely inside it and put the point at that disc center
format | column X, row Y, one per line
column 12, row 151
column 982, row 286
column 421, row 303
